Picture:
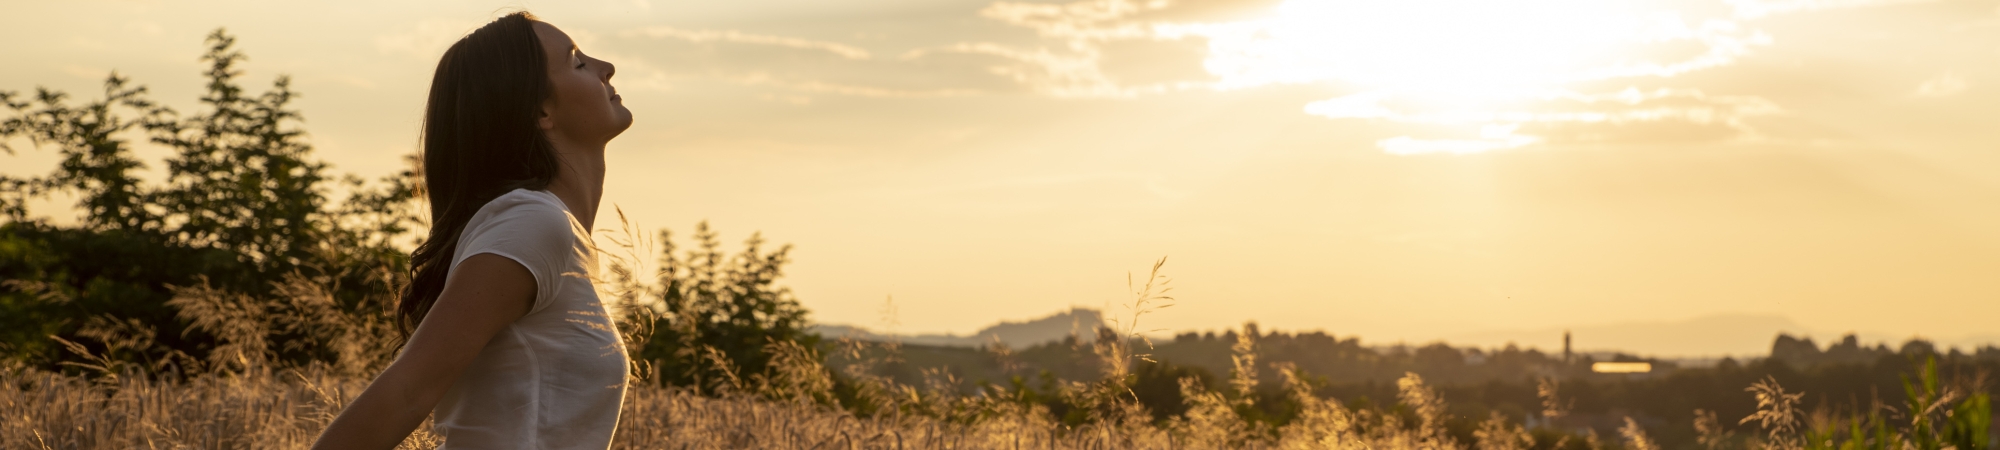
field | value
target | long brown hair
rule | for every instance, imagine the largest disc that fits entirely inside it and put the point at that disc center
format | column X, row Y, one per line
column 480, row 140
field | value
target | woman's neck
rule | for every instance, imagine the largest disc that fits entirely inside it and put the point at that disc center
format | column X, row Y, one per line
column 579, row 181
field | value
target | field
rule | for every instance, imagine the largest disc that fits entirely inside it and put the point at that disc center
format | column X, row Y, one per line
column 286, row 408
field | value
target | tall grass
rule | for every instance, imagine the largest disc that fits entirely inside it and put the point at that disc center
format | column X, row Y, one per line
column 242, row 396
column 287, row 408
column 41, row 410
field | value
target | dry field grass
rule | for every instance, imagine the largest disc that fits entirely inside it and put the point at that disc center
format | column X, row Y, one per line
column 242, row 398
column 287, row 409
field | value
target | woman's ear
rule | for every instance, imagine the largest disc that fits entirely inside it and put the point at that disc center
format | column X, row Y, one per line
column 547, row 118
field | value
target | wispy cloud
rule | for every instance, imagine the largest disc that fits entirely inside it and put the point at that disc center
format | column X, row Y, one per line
column 806, row 65
column 426, row 39
column 1630, row 105
column 1505, row 74
column 844, row 51
column 1561, row 114
column 1077, row 73
column 1071, row 74
column 1075, row 67
column 1944, row 85
column 1079, row 22
column 1752, row 9
column 766, row 79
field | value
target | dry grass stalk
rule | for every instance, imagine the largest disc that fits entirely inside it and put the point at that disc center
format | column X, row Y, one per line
column 1498, row 433
column 1777, row 413
column 1549, row 390
column 1635, row 437
column 1430, row 409
column 1708, row 430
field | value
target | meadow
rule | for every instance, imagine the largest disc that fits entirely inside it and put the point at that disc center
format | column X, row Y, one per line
column 789, row 409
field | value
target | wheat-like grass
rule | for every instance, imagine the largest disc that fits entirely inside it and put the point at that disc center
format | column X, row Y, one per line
column 41, row 410
column 286, row 409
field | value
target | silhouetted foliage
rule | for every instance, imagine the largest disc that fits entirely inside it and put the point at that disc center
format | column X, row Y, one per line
column 1845, row 376
column 713, row 317
column 239, row 259
column 243, row 209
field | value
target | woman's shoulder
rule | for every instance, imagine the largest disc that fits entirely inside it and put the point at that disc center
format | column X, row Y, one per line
column 524, row 210
column 523, row 202
column 525, row 198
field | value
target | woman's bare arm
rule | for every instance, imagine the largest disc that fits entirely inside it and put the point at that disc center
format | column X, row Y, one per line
column 482, row 295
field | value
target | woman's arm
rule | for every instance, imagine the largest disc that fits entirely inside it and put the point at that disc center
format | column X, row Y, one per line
column 483, row 294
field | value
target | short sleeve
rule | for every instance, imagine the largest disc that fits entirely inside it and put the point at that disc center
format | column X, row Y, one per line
column 530, row 231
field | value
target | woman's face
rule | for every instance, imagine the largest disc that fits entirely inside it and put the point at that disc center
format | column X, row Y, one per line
column 583, row 106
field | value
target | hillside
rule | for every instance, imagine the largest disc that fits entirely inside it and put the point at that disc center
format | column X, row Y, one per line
column 1023, row 334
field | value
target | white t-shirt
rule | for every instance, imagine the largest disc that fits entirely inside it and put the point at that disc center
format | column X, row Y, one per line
column 554, row 378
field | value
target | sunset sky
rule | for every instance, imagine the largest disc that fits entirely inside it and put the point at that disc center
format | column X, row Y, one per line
column 1395, row 169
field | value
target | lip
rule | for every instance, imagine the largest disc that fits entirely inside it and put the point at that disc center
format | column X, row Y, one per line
column 615, row 97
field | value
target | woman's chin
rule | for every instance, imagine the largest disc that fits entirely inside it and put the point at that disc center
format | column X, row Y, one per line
column 623, row 118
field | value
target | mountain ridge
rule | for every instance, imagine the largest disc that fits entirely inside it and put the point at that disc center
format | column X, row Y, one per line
column 1076, row 321
column 1702, row 337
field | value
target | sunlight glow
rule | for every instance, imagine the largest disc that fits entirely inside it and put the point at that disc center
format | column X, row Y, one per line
column 1481, row 64
column 1466, row 47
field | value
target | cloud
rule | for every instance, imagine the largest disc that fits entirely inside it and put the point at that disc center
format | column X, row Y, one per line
column 803, row 65
column 1437, row 45
column 88, row 73
column 1083, row 21
column 1510, row 73
column 1631, row 114
column 1081, row 31
column 1492, row 137
column 1944, row 85
column 765, row 79
column 1753, row 9
column 1419, row 61
column 428, row 39
column 1634, row 105
column 147, row 27
column 844, row 51
column 1068, row 62
column 1491, row 75
column 1076, row 74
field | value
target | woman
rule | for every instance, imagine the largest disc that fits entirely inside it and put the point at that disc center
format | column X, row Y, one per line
column 511, row 348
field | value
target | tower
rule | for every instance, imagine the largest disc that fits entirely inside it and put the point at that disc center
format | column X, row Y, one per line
column 1566, row 354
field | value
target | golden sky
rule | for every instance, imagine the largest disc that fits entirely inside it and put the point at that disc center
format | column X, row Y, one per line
column 1394, row 169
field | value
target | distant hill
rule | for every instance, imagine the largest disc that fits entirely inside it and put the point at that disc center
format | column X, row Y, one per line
column 1731, row 334
column 1038, row 345
column 1054, row 328
column 1705, row 337
column 1697, row 340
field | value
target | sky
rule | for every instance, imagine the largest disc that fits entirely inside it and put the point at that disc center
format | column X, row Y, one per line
column 1398, row 170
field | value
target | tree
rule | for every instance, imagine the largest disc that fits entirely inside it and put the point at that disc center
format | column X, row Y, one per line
column 715, row 319
column 241, row 261
column 244, row 211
